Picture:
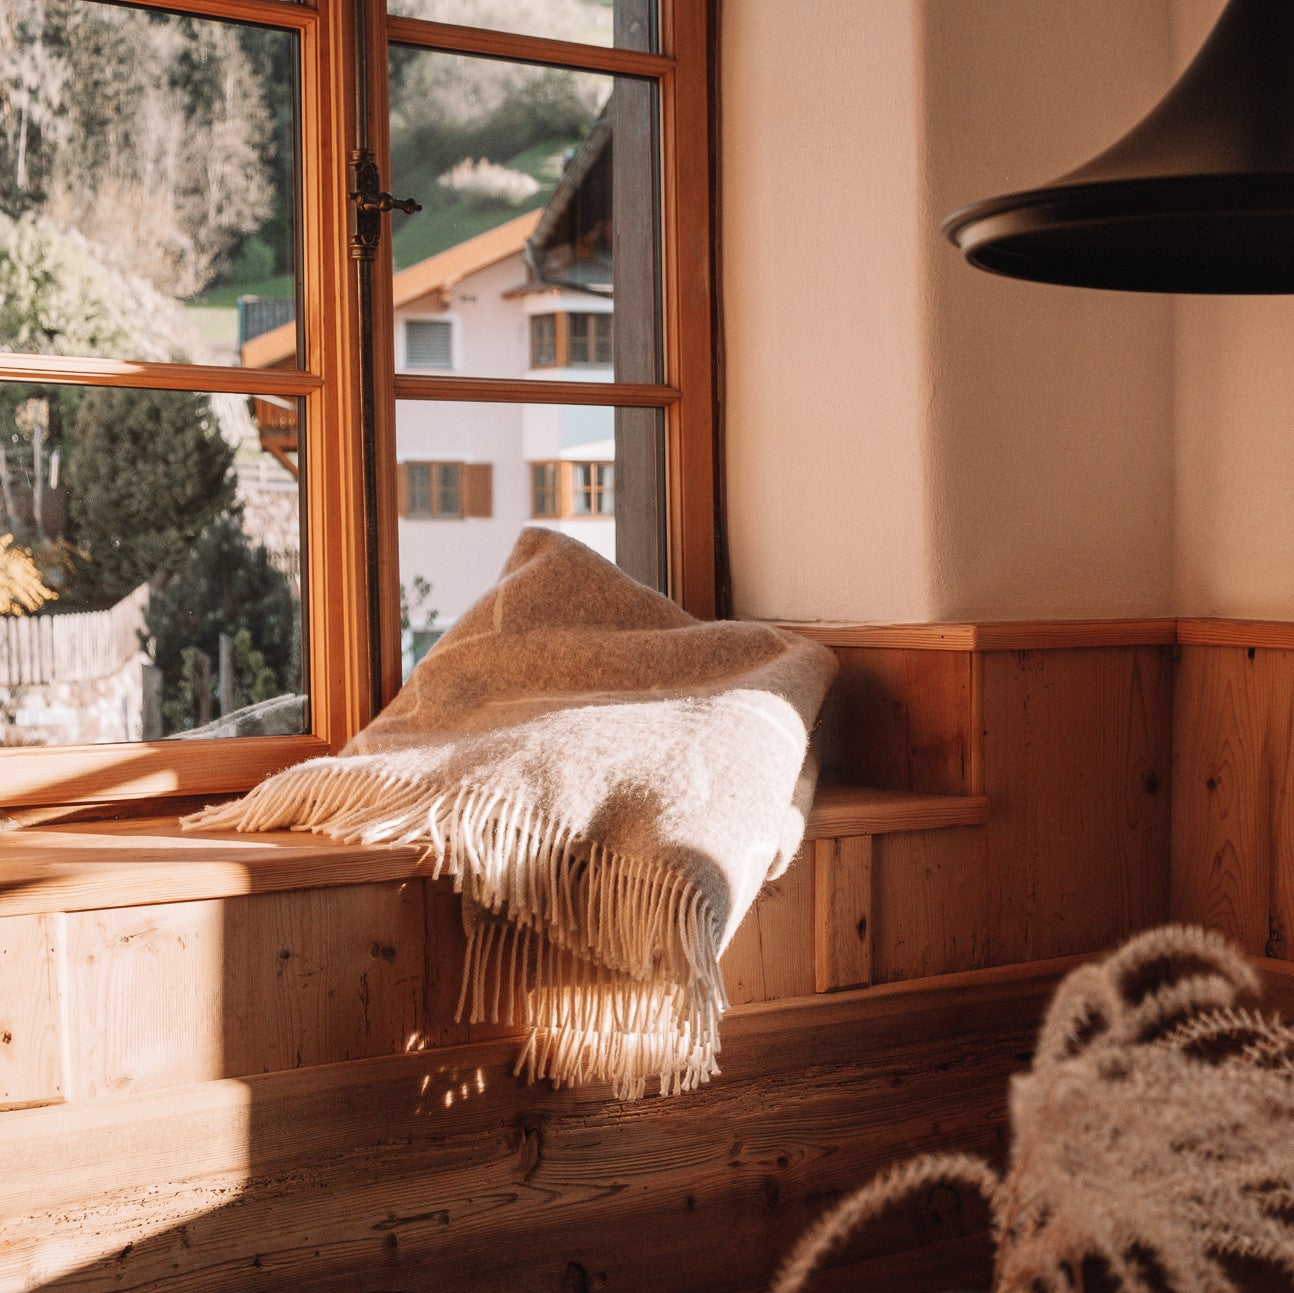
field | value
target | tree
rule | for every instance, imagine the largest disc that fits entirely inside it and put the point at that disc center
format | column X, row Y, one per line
column 148, row 473
column 225, row 586
column 113, row 119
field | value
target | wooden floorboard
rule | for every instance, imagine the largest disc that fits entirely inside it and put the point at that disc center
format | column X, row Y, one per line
column 442, row 1171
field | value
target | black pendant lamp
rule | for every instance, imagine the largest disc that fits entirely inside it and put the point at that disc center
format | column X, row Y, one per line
column 1199, row 197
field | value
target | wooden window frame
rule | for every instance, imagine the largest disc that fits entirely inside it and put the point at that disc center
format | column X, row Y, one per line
column 685, row 397
column 565, row 490
column 339, row 537
column 327, row 386
column 565, row 353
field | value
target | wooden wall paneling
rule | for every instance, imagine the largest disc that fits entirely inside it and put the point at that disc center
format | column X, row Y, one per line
column 900, row 720
column 31, row 1007
column 842, row 913
column 770, row 956
column 322, row 975
column 188, row 992
column 932, row 897
column 1076, row 768
column 383, row 1174
column 1232, row 809
column 144, row 1002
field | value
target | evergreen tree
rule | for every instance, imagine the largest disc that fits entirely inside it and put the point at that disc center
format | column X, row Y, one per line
column 147, row 474
column 225, row 586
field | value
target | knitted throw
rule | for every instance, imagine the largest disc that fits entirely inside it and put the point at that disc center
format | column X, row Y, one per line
column 1151, row 1142
column 608, row 780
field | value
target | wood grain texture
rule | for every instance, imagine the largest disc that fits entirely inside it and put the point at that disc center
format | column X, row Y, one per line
column 899, row 720
column 932, row 897
column 770, row 956
column 1012, row 635
column 442, row 1171
column 1233, row 810
column 1065, row 635
column 1076, row 768
column 179, row 993
column 31, row 1008
column 116, row 864
column 104, row 773
column 1268, row 634
column 860, row 810
column 842, row 913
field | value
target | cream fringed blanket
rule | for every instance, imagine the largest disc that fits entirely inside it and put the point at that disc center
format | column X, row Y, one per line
column 609, row 781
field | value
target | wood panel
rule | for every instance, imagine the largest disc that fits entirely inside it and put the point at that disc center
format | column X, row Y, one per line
column 442, row 1171
column 179, row 993
column 770, row 956
column 932, row 896
column 842, row 913
column 143, row 862
column 1233, row 809
column 860, row 810
column 1076, row 767
column 31, row 1026
column 899, row 720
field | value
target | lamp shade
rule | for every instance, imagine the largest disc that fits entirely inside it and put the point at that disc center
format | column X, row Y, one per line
column 1198, row 197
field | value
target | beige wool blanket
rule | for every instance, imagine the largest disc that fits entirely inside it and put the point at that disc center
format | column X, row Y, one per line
column 608, row 780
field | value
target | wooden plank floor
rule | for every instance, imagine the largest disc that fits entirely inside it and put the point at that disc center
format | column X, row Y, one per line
column 441, row 1171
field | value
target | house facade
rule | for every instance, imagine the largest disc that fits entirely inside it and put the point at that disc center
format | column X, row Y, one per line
column 470, row 476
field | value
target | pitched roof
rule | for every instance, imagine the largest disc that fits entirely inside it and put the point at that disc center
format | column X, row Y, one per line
column 436, row 273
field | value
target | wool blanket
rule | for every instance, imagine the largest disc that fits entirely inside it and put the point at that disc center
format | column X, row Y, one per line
column 608, row 780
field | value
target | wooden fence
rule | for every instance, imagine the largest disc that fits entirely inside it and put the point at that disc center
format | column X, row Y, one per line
column 40, row 649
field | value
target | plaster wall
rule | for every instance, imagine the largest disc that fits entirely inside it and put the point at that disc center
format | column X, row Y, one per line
column 909, row 439
column 827, row 383
column 1234, row 550
column 1050, row 441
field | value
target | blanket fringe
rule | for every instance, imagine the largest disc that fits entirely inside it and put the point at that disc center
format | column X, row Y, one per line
column 611, row 962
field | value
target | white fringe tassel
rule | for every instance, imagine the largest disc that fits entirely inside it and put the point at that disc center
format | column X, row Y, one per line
column 610, row 962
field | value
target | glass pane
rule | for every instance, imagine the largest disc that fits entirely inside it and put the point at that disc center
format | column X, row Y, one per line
column 627, row 24
column 150, row 566
column 592, row 472
column 539, row 220
column 147, row 185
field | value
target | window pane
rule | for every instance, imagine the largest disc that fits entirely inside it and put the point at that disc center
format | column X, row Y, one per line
column 150, row 566
column 538, row 188
column 548, row 464
column 628, row 24
column 147, row 190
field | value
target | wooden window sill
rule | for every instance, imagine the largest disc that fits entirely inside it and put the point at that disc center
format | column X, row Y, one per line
column 93, row 865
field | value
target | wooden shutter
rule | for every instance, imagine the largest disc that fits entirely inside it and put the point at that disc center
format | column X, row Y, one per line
column 478, row 489
column 402, row 488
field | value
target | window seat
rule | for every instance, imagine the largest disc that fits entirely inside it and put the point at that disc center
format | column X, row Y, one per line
column 92, row 865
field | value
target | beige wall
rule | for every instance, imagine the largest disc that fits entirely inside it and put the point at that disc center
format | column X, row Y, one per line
column 1234, row 551
column 826, row 364
column 911, row 439
column 1051, row 437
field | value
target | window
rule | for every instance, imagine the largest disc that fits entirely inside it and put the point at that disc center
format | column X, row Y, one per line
column 590, row 340
column 571, row 489
column 428, row 343
column 571, row 340
column 271, row 242
column 543, row 341
column 446, row 490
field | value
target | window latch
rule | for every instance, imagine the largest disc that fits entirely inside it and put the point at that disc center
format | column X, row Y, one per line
column 370, row 202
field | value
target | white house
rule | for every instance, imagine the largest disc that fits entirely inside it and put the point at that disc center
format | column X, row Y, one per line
column 471, row 475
